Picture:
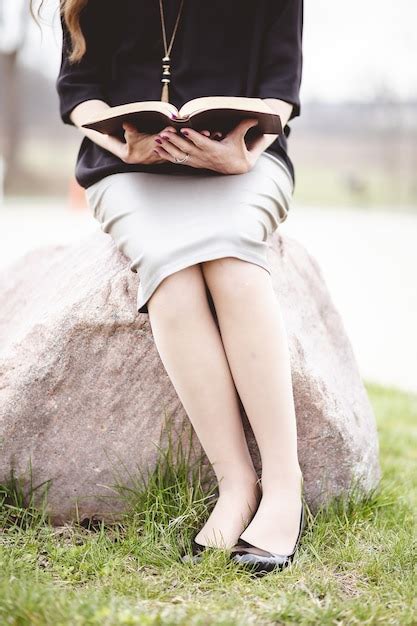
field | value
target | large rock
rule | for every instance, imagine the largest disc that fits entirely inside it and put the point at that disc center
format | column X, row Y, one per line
column 84, row 395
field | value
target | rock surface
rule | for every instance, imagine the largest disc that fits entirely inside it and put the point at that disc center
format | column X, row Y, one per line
column 84, row 395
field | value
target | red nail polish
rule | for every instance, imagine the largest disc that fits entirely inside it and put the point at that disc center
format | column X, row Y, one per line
column 184, row 132
column 158, row 140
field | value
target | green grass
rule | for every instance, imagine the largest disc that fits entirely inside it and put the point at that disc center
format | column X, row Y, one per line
column 322, row 173
column 355, row 565
column 328, row 187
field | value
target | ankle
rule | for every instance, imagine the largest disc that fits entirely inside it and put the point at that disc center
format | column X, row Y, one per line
column 286, row 482
column 243, row 483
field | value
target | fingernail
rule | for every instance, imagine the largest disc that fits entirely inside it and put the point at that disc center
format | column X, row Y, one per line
column 164, row 137
column 158, row 140
column 184, row 132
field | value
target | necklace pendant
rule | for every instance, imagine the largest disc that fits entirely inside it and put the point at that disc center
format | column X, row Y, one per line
column 165, row 93
column 165, row 80
column 166, row 72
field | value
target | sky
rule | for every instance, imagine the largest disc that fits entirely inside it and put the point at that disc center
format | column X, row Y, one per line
column 352, row 50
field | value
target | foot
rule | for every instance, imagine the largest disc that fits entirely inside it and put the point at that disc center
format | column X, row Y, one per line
column 233, row 511
column 276, row 524
column 261, row 562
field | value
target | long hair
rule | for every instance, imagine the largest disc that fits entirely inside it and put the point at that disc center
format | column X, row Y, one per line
column 70, row 10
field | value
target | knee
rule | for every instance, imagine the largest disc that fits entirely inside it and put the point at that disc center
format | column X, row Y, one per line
column 178, row 294
column 234, row 278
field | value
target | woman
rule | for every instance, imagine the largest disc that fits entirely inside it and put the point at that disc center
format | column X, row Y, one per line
column 194, row 214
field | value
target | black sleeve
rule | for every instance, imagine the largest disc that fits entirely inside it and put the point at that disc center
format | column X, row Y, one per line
column 282, row 56
column 82, row 80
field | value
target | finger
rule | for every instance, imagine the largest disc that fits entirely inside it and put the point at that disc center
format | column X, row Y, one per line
column 257, row 142
column 130, row 130
column 206, row 133
column 199, row 140
column 128, row 126
column 174, row 139
column 162, row 152
column 168, row 130
column 242, row 128
column 131, row 133
column 172, row 150
column 158, row 151
column 217, row 135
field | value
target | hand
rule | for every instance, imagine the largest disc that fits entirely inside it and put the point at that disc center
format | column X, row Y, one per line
column 228, row 156
column 139, row 146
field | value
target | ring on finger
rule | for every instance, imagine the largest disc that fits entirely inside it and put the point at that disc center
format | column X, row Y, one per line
column 173, row 148
column 183, row 160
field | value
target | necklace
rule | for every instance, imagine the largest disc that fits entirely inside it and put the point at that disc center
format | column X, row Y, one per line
column 166, row 61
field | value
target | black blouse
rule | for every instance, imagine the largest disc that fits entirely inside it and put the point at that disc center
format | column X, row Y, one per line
column 250, row 48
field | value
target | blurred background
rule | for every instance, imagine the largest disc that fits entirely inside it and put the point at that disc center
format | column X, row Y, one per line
column 354, row 149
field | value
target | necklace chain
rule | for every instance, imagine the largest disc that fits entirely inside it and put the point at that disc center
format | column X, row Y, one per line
column 166, row 61
column 168, row 50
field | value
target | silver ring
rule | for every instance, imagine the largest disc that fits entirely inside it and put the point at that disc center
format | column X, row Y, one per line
column 187, row 156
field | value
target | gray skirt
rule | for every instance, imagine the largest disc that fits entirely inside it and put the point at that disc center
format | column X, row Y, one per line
column 166, row 222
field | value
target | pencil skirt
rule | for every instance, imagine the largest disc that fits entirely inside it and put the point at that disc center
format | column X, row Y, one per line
column 165, row 222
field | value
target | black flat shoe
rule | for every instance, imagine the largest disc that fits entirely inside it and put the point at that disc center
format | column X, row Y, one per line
column 197, row 550
column 261, row 561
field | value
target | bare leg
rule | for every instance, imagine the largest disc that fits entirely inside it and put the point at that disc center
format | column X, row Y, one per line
column 190, row 346
column 255, row 342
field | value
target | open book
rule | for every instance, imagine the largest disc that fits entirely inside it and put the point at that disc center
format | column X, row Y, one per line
column 214, row 113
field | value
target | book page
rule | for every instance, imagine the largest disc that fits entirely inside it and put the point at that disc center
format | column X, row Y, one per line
column 134, row 107
column 223, row 102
